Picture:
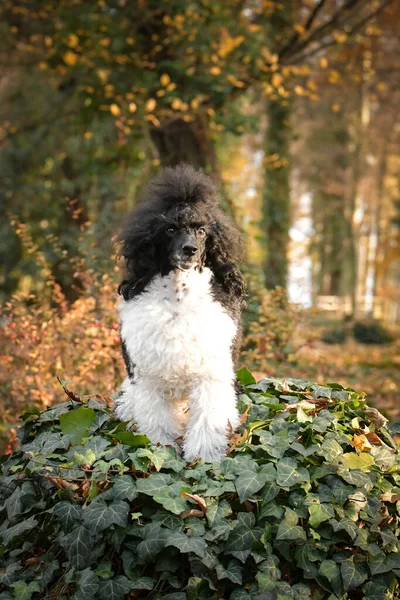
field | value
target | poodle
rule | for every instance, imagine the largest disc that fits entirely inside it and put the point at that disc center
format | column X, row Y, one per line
column 180, row 315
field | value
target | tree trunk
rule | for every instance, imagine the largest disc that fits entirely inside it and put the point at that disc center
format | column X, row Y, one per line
column 179, row 141
column 276, row 195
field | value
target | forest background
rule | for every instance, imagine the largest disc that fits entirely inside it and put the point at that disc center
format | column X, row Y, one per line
column 291, row 105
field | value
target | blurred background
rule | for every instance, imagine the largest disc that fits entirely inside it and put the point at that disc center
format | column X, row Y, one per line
column 293, row 106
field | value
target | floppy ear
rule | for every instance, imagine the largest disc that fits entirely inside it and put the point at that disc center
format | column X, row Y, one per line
column 138, row 250
column 224, row 250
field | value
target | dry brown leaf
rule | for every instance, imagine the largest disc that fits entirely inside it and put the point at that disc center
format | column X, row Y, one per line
column 200, row 501
column 373, row 439
column 376, row 417
column 60, row 483
column 235, row 440
column 305, row 404
column 192, row 513
column 390, row 497
column 361, row 443
column 30, row 562
column 243, row 416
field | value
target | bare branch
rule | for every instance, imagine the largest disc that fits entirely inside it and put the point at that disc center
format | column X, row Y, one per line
column 307, row 27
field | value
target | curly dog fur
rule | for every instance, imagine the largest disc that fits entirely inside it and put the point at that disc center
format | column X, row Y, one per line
column 181, row 315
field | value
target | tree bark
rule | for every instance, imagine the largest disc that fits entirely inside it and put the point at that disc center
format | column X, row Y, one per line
column 179, row 141
column 276, row 195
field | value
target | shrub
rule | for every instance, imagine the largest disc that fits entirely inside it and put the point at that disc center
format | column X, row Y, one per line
column 43, row 336
column 306, row 505
column 371, row 332
column 269, row 328
column 335, row 335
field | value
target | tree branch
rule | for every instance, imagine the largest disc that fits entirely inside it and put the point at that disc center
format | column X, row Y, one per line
column 307, row 27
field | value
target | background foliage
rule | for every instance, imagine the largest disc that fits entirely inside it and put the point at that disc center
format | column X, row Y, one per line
column 292, row 106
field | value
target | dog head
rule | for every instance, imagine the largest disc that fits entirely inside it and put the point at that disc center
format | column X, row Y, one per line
column 178, row 225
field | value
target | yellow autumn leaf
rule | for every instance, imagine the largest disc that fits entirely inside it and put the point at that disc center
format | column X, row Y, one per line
column 299, row 90
column 335, row 108
column 132, row 107
column 323, row 62
column 340, row 36
column 103, row 75
column 150, row 105
column 176, row 103
column 215, row 70
column 276, row 79
column 72, row 40
column 361, row 443
column 333, row 77
column 115, row 110
column 358, row 461
column 235, row 81
column 165, row 79
column 299, row 28
column 70, row 58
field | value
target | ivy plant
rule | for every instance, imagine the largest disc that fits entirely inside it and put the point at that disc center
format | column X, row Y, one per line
column 306, row 504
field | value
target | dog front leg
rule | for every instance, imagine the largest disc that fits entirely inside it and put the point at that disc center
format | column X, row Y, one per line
column 153, row 414
column 213, row 415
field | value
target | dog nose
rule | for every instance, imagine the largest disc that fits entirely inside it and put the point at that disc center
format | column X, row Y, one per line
column 189, row 249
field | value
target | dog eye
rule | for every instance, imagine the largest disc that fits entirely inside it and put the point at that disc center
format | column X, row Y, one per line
column 171, row 230
column 201, row 231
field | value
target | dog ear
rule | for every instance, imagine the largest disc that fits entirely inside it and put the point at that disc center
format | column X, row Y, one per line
column 136, row 247
column 224, row 250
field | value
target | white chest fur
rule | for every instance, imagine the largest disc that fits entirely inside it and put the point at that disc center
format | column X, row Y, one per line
column 176, row 331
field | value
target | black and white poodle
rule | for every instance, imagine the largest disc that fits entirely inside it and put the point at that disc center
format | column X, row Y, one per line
column 181, row 315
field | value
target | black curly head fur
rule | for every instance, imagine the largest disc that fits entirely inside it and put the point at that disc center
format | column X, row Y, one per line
column 179, row 225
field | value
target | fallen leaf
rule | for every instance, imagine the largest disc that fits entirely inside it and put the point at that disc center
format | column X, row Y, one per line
column 243, row 416
column 361, row 443
column 373, row 439
column 376, row 417
column 390, row 497
column 192, row 513
column 200, row 501
column 235, row 440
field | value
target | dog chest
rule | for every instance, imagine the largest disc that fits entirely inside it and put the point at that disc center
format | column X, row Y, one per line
column 176, row 327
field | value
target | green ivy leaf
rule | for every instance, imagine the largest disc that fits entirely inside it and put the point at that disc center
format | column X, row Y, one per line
column 115, row 589
column 329, row 569
column 154, row 541
column 9, row 534
column 289, row 473
column 330, row 450
column 320, row 513
column 156, row 482
column 77, row 422
column 171, row 497
column 67, row 513
column 87, row 584
column 288, row 528
column 353, row 574
column 79, row 544
column 249, row 483
column 233, row 572
column 125, row 488
column 24, row 591
column 99, row 516
column 245, row 377
column 186, row 544
column 130, row 438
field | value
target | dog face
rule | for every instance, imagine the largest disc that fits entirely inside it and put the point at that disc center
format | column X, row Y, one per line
column 184, row 242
